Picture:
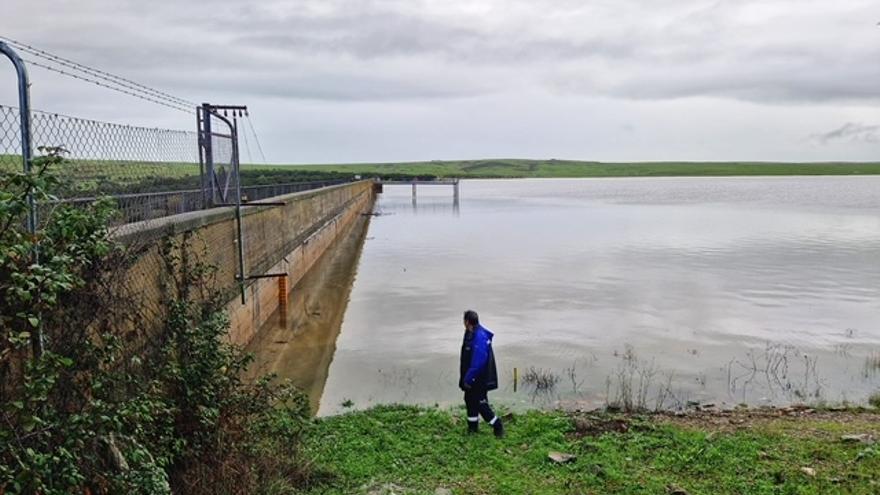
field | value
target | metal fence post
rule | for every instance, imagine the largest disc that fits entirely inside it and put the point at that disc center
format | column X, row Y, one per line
column 24, row 107
column 200, row 146
column 237, row 171
column 208, row 144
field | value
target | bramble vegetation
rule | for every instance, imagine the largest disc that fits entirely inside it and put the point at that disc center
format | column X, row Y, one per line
column 106, row 408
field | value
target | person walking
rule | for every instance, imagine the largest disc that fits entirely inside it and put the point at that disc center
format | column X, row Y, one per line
column 477, row 374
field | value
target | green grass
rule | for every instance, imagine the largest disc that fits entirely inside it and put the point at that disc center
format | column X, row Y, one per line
column 112, row 177
column 419, row 450
column 513, row 168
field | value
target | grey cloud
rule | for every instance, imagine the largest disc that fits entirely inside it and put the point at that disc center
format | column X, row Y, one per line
column 380, row 36
column 484, row 72
column 340, row 87
column 378, row 49
column 849, row 132
column 757, row 76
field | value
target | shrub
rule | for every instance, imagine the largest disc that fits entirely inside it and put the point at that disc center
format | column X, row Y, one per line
column 82, row 410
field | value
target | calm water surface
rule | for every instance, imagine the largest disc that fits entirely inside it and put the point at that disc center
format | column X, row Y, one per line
column 664, row 291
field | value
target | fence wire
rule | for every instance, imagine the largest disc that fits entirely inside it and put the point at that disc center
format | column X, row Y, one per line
column 149, row 172
column 105, row 158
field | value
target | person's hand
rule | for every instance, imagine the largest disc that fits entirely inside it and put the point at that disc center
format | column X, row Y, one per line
column 466, row 386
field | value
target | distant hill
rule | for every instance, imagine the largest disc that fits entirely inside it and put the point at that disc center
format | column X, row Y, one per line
column 516, row 168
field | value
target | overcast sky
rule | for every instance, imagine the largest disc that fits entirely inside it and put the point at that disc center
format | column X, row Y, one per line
column 388, row 80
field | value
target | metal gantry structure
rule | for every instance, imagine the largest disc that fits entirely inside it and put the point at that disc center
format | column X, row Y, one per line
column 218, row 152
column 439, row 182
column 216, row 178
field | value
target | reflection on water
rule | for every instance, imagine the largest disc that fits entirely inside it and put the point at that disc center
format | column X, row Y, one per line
column 655, row 291
column 300, row 347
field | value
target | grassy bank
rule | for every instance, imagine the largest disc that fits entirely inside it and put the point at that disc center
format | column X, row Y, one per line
column 513, row 168
column 399, row 449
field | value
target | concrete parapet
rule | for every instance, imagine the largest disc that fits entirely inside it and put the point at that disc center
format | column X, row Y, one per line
column 277, row 239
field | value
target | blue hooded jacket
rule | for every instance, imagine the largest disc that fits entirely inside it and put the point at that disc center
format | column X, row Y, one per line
column 477, row 369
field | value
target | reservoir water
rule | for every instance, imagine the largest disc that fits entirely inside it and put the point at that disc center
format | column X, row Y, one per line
column 658, row 292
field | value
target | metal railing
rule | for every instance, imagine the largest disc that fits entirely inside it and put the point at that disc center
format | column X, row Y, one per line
column 149, row 206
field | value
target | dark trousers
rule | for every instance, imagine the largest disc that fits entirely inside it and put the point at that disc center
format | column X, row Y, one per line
column 477, row 403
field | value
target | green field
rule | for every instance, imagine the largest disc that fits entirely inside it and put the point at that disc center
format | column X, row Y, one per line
column 512, row 168
column 86, row 177
column 410, row 450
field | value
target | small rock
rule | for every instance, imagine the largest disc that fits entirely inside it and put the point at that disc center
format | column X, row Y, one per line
column 560, row 458
column 442, row 491
column 676, row 490
column 386, row 489
column 808, row 471
column 861, row 438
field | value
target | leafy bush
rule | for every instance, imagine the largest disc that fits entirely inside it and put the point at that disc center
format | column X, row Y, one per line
column 84, row 408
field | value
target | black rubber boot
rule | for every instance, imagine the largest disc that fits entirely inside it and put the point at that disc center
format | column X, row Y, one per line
column 473, row 427
column 498, row 428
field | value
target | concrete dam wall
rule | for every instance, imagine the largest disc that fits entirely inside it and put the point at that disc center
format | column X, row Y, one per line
column 277, row 239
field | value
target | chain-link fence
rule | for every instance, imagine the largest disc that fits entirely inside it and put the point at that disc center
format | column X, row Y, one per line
column 105, row 158
column 150, row 172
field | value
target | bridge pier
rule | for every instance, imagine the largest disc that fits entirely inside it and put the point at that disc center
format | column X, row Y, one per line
column 456, row 192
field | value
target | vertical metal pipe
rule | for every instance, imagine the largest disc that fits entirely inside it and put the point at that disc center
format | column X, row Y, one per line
column 24, row 108
column 455, row 199
column 282, row 299
column 200, row 146
column 237, row 176
column 208, row 144
column 515, row 378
